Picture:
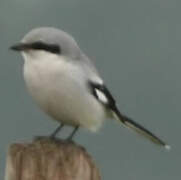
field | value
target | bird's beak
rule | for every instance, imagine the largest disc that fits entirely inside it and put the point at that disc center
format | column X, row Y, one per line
column 19, row 47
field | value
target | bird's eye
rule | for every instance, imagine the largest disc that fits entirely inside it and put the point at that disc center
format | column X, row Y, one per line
column 53, row 48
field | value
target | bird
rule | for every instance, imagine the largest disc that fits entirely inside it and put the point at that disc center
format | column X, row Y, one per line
column 67, row 86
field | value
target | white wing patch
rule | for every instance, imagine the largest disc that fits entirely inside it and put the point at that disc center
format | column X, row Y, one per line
column 101, row 96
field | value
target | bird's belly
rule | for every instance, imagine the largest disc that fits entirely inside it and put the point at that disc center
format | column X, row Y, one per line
column 64, row 98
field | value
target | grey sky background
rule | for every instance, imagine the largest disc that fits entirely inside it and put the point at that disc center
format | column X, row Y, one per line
column 136, row 45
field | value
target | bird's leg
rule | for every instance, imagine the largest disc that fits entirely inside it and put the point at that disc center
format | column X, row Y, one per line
column 73, row 133
column 53, row 135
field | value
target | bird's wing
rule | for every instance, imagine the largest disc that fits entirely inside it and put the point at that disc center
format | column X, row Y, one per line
column 102, row 94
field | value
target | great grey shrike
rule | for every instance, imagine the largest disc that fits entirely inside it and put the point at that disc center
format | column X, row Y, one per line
column 66, row 85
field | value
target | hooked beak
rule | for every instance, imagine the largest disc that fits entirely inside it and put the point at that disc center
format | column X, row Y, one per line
column 20, row 47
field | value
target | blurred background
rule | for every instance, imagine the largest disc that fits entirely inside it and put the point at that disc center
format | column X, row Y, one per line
column 136, row 47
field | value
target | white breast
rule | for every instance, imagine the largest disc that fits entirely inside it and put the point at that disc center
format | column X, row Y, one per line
column 59, row 88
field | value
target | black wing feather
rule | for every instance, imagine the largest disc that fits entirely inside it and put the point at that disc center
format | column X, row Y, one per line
column 111, row 105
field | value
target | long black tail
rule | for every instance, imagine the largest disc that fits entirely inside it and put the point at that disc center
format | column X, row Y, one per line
column 139, row 129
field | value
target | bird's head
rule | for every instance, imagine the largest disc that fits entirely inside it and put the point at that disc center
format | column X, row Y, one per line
column 48, row 41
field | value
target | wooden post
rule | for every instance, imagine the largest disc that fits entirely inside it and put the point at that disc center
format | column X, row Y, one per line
column 47, row 159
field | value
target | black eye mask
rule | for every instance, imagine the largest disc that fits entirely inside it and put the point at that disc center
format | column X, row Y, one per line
column 53, row 48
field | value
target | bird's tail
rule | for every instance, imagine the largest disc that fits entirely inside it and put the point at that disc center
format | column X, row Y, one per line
column 139, row 129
